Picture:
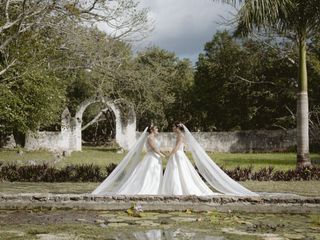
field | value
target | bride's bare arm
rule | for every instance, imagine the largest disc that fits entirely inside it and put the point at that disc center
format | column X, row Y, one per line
column 177, row 146
column 153, row 146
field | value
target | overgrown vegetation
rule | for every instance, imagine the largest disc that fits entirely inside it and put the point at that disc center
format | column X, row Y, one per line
column 93, row 173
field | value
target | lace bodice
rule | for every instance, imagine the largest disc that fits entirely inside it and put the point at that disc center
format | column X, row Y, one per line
column 181, row 147
column 157, row 143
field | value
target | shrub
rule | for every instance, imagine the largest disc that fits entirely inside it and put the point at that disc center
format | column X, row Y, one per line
column 46, row 173
column 269, row 174
column 93, row 173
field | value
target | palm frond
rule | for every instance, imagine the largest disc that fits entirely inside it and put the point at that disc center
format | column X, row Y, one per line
column 261, row 14
column 299, row 16
column 312, row 15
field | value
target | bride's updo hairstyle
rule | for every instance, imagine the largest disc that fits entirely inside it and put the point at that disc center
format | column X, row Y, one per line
column 179, row 125
column 151, row 128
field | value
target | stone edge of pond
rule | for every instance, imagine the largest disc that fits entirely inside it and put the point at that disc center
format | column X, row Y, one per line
column 267, row 203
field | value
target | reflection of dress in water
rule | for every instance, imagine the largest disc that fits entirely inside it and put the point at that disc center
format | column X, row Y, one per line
column 170, row 234
column 147, row 176
column 181, row 178
column 149, row 235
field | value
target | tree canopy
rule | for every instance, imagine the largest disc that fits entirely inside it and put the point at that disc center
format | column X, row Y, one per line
column 236, row 84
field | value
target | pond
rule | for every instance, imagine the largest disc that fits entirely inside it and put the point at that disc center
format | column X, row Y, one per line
column 75, row 224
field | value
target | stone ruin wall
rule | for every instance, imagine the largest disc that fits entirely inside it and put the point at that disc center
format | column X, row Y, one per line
column 69, row 139
column 239, row 141
column 224, row 142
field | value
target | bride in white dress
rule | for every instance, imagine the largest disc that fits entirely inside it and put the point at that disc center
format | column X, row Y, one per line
column 134, row 176
column 181, row 178
column 143, row 175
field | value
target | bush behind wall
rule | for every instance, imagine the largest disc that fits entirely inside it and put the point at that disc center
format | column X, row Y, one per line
column 94, row 173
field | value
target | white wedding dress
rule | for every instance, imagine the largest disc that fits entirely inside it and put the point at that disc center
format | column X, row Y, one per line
column 135, row 175
column 181, row 178
column 208, row 169
column 143, row 175
column 147, row 176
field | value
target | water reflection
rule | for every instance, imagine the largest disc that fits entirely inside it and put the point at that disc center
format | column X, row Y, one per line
column 168, row 234
column 148, row 235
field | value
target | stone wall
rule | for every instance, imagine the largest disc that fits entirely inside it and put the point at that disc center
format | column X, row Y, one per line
column 239, row 141
column 69, row 139
column 51, row 141
column 265, row 203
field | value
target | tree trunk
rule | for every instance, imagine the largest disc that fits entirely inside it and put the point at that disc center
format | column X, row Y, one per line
column 303, row 158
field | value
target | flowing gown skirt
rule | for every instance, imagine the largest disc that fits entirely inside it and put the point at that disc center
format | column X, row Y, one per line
column 146, row 178
column 181, row 178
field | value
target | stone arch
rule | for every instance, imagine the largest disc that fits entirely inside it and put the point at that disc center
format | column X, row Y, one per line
column 70, row 137
column 125, row 130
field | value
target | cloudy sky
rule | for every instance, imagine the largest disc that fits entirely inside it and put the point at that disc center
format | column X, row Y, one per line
column 184, row 26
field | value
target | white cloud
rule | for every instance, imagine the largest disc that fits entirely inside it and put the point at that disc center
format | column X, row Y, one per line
column 184, row 26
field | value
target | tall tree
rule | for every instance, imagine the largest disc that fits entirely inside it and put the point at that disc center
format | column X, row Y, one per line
column 243, row 84
column 159, row 87
column 44, row 47
column 297, row 19
column 31, row 94
column 123, row 18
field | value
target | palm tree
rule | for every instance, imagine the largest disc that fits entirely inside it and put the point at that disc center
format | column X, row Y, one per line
column 295, row 18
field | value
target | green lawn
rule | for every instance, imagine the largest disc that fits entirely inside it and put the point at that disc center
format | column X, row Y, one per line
column 283, row 161
column 305, row 188
column 103, row 157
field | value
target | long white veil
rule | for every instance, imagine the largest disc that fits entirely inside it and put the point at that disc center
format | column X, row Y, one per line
column 124, row 170
column 217, row 178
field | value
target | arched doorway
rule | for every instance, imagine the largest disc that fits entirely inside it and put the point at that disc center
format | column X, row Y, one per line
column 125, row 124
column 99, row 128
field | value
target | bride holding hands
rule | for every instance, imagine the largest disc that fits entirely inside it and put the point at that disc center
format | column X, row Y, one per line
column 137, row 175
column 144, row 175
column 180, row 177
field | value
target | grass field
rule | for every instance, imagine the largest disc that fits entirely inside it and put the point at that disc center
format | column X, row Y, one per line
column 103, row 157
column 305, row 188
